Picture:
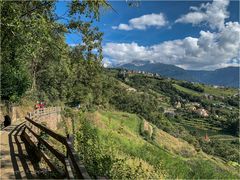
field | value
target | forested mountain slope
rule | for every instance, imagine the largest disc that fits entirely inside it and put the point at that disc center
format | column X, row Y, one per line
column 224, row 77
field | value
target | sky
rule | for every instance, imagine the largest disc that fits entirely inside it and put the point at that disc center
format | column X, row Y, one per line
column 197, row 35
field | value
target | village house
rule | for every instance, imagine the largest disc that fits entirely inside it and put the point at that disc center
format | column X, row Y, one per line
column 170, row 112
column 177, row 105
column 131, row 89
column 207, row 96
column 192, row 104
column 222, row 97
column 191, row 108
column 202, row 112
column 195, row 104
column 139, row 72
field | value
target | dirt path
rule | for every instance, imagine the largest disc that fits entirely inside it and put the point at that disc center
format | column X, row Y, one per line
column 15, row 163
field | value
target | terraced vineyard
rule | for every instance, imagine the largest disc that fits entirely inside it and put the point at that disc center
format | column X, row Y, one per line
column 122, row 131
column 185, row 110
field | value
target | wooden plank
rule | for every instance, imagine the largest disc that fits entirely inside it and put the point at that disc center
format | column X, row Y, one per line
column 51, row 165
column 79, row 168
column 42, row 154
column 59, row 155
column 68, row 169
column 56, row 136
column 72, row 159
column 31, row 146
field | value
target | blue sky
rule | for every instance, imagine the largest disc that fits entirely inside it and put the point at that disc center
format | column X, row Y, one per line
column 189, row 34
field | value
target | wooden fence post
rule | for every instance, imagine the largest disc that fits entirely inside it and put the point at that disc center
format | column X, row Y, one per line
column 73, row 165
column 70, row 140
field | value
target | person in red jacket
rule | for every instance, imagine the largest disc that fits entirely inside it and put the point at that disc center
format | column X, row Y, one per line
column 42, row 105
column 37, row 106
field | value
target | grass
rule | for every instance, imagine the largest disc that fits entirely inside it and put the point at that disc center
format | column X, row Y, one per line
column 165, row 103
column 220, row 91
column 200, row 123
column 120, row 131
column 201, row 131
column 224, row 137
column 173, row 144
column 116, row 119
column 186, row 90
column 208, row 90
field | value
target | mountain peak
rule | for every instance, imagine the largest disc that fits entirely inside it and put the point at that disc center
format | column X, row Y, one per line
column 139, row 63
column 228, row 76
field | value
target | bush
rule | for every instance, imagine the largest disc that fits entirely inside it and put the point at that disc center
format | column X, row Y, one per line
column 134, row 168
column 102, row 160
column 228, row 150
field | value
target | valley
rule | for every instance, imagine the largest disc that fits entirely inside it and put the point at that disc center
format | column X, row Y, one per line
column 120, row 89
column 188, row 113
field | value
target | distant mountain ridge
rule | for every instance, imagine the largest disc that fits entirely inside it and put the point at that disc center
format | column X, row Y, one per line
column 228, row 76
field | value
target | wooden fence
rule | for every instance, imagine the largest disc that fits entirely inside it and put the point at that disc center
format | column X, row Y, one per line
column 32, row 136
column 43, row 112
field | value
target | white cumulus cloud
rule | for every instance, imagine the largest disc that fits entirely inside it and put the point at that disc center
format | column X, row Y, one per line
column 210, row 50
column 143, row 22
column 214, row 14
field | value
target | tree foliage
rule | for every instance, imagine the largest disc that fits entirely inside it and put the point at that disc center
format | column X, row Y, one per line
column 36, row 58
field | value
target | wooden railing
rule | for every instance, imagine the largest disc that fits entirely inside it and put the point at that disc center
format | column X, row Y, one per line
column 43, row 112
column 32, row 136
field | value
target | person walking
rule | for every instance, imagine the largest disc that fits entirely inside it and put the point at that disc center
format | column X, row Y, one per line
column 42, row 105
column 37, row 105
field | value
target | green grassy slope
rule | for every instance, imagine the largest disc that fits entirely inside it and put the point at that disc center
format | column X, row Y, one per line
column 220, row 91
column 123, row 131
column 186, row 90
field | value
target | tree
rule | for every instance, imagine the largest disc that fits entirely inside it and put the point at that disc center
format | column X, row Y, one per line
column 35, row 56
column 21, row 27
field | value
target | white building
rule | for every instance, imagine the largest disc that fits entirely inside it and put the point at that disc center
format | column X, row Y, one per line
column 202, row 112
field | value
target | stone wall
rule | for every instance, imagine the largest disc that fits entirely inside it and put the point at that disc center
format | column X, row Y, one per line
column 18, row 112
column 1, row 114
column 51, row 120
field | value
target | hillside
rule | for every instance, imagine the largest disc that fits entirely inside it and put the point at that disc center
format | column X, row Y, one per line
column 223, row 77
column 155, row 127
column 189, row 111
column 65, row 115
column 136, row 155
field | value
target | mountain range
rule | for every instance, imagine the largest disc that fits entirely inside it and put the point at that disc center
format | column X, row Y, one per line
column 228, row 77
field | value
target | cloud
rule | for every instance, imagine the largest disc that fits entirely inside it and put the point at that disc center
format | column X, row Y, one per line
column 124, row 27
column 214, row 14
column 143, row 22
column 210, row 50
column 73, row 45
column 106, row 62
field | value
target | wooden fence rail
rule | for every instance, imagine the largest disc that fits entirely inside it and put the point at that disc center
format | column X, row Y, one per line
column 43, row 112
column 73, row 167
